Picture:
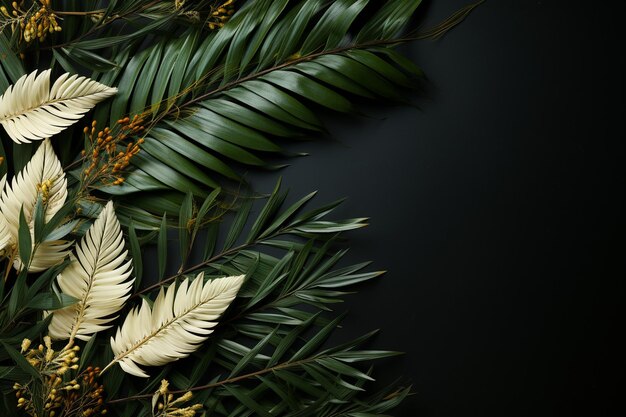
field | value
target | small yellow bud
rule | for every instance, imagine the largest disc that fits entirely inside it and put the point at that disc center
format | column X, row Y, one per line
column 25, row 345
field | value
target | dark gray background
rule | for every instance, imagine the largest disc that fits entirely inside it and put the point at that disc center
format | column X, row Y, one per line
column 498, row 208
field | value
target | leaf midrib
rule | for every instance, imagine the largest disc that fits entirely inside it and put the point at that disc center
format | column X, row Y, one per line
column 83, row 303
column 154, row 334
column 47, row 103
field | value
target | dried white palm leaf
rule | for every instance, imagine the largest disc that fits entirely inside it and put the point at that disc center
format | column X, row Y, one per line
column 45, row 255
column 97, row 277
column 179, row 321
column 43, row 175
column 5, row 237
column 31, row 110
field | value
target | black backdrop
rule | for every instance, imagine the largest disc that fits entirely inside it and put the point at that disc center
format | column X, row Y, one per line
column 498, row 208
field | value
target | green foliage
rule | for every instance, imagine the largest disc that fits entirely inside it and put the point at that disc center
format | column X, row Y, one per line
column 269, row 353
column 231, row 98
column 214, row 103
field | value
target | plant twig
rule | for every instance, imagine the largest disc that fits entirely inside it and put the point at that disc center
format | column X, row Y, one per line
column 281, row 366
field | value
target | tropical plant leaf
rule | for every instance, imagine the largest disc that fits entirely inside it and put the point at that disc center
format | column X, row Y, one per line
column 11, row 67
column 256, row 82
column 42, row 177
column 31, row 110
column 177, row 323
column 5, row 235
column 97, row 277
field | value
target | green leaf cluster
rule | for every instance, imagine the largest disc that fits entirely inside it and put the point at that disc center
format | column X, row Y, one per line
column 214, row 104
column 270, row 353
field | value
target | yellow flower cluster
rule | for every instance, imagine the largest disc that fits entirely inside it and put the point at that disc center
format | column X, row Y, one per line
column 34, row 22
column 109, row 154
column 167, row 406
column 220, row 14
column 45, row 188
column 52, row 366
column 62, row 394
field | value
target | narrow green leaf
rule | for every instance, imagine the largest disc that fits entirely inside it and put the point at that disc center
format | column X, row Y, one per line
column 309, row 89
column 38, row 218
column 184, row 226
column 194, row 153
column 50, row 301
column 273, row 203
column 25, row 242
column 248, row 117
column 280, row 220
column 207, row 205
column 238, row 223
column 247, row 401
column 131, row 74
column 248, row 357
column 144, row 82
column 87, row 353
column 135, row 251
column 18, row 294
column 162, row 246
column 333, row 26
column 88, row 59
column 317, row 340
column 63, row 61
column 342, row 368
column 288, row 341
column 270, row 106
column 21, row 361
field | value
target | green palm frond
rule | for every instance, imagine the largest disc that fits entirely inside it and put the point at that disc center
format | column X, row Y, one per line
column 230, row 99
column 214, row 93
column 270, row 350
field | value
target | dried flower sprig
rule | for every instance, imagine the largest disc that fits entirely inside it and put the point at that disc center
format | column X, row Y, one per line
column 88, row 400
column 33, row 22
column 58, row 394
column 220, row 14
column 165, row 405
column 52, row 366
column 110, row 151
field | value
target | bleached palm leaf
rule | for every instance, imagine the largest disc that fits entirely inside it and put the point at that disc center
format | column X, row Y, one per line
column 179, row 321
column 42, row 175
column 97, row 277
column 31, row 110
column 5, row 236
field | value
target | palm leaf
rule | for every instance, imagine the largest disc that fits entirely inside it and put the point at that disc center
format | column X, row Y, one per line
column 97, row 277
column 179, row 321
column 41, row 179
column 230, row 99
column 31, row 110
column 5, row 235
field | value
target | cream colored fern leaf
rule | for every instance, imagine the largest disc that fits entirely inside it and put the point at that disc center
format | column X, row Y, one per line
column 97, row 277
column 42, row 175
column 31, row 110
column 179, row 321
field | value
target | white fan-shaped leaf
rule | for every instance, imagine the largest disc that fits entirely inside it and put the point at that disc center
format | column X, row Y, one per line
column 178, row 322
column 31, row 110
column 42, row 175
column 97, row 277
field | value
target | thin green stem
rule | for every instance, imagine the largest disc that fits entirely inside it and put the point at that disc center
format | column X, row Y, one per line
column 281, row 366
column 101, row 25
column 196, row 267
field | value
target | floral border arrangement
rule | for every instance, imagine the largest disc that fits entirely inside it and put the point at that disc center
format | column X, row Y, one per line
column 180, row 97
